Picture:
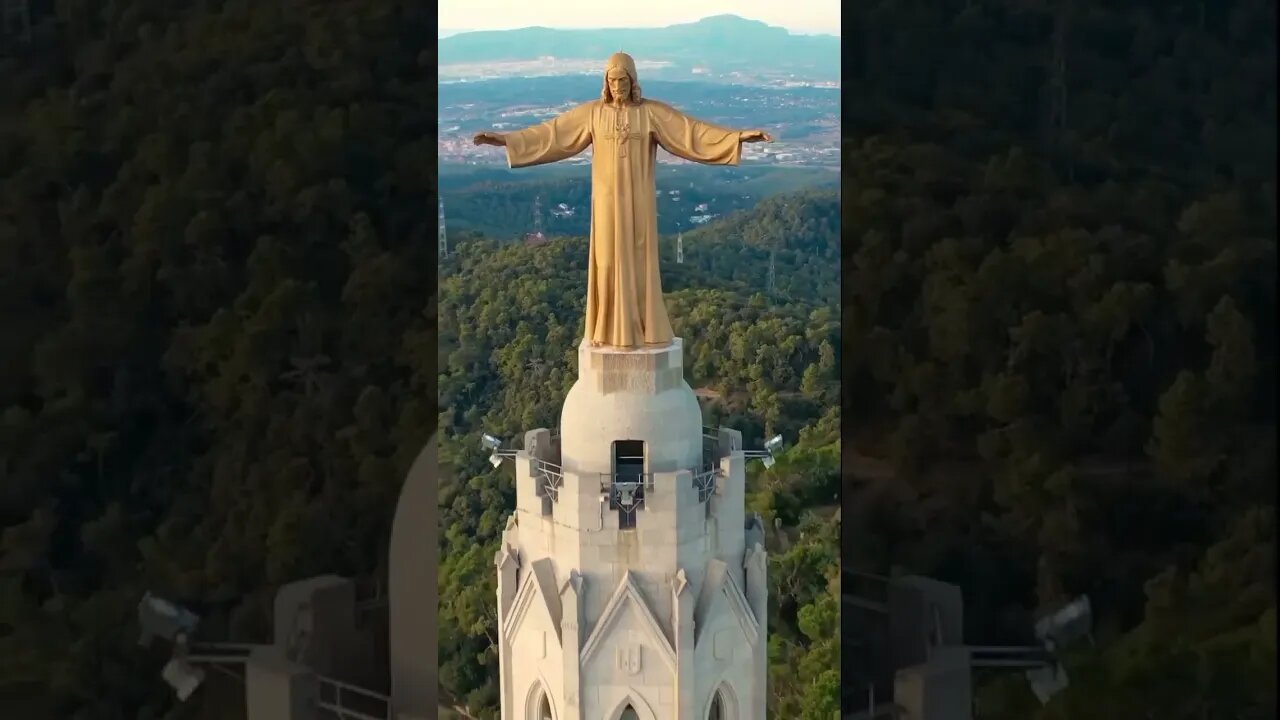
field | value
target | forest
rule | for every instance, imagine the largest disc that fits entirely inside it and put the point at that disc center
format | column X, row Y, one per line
column 1059, row 356
column 1058, row 232
column 217, row 282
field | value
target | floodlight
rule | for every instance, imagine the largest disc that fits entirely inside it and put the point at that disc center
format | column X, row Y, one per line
column 183, row 677
column 160, row 618
column 490, row 441
column 1072, row 622
column 771, row 446
column 495, row 460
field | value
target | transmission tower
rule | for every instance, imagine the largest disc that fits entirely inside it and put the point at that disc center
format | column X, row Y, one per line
column 442, row 238
column 680, row 248
column 537, row 218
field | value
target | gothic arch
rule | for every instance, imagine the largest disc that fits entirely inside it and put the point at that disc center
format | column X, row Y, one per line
column 532, row 702
column 642, row 709
column 729, row 707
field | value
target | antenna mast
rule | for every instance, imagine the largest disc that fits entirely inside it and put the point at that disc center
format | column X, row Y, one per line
column 537, row 218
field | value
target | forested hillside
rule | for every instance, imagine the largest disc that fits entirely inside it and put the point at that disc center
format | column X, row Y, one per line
column 216, row 264
column 1059, row 229
column 510, row 320
column 800, row 231
column 500, row 203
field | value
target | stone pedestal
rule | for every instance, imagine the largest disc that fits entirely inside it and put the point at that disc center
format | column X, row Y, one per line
column 631, row 395
column 656, row 612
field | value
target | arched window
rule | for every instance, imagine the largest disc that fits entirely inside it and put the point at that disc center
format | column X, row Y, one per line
column 544, row 708
column 717, row 708
column 629, row 713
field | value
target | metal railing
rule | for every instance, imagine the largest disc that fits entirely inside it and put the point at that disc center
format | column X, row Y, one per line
column 550, row 476
column 713, row 433
column 867, row 591
column 626, row 490
column 351, row 702
column 705, row 483
column 1018, row 658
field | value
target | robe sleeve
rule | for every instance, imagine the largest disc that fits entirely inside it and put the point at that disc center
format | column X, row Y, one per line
column 557, row 139
column 693, row 139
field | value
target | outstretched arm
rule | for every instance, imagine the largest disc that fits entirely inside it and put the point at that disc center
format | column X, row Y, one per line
column 693, row 139
column 559, row 138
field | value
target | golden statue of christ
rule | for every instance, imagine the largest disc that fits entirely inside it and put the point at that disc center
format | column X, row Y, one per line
column 625, row 308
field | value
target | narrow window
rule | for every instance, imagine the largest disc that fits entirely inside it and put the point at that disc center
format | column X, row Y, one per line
column 628, row 481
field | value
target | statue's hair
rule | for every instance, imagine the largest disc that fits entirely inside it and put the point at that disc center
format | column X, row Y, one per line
column 607, row 95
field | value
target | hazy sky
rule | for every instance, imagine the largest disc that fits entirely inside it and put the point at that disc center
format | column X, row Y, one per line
column 804, row 16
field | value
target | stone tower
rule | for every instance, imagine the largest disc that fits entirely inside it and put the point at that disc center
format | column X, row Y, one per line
column 631, row 582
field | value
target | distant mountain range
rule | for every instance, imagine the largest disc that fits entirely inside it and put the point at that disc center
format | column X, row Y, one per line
column 718, row 45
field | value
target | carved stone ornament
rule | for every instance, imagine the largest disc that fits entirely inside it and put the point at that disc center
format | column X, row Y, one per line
column 629, row 658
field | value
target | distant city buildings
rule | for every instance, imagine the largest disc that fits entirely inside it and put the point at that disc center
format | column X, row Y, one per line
column 807, row 123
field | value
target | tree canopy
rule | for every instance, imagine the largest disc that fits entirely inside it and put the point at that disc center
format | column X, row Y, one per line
column 1059, row 333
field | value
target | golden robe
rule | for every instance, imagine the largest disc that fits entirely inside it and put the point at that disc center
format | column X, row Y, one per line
column 625, row 307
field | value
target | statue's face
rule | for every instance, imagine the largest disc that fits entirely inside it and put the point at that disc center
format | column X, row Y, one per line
column 619, row 85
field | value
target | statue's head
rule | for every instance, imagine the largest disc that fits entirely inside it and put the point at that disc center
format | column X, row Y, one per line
column 620, row 79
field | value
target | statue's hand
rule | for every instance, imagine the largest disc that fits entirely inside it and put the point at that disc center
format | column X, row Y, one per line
column 753, row 136
column 488, row 138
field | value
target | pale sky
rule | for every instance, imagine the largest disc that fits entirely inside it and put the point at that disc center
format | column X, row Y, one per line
column 799, row 16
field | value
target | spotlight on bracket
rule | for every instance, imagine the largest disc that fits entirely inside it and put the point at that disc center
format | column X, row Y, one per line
column 495, row 445
column 160, row 618
column 1070, row 624
column 766, row 456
